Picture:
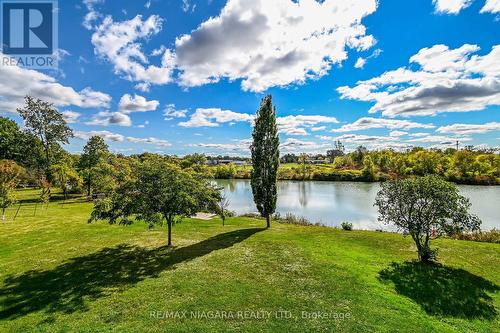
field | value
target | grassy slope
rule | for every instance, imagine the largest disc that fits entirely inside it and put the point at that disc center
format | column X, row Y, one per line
column 59, row 273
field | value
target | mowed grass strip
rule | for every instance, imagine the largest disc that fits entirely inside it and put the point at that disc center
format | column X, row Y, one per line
column 60, row 274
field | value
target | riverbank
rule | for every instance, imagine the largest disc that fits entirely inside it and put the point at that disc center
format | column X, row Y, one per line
column 328, row 172
column 60, row 273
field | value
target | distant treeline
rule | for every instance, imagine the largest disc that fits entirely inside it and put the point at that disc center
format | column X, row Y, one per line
column 464, row 166
column 92, row 170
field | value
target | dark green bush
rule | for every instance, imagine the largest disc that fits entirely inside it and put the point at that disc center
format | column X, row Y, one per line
column 346, row 226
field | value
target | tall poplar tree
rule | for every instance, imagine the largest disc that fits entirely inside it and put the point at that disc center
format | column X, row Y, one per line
column 265, row 159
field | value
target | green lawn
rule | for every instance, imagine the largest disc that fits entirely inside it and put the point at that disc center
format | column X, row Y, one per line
column 58, row 274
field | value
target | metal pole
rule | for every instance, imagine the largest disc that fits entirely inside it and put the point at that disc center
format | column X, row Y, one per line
column 17, row 212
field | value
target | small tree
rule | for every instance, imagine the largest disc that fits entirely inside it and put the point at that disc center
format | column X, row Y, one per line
column 338, row 150
column 161, row 191
column 10, row 139
column 265, row 159
column 368, row 172
column 358, row 155
column 65, row 176
column 222, row 206
column 425, row 207
column 9, row 175
column 304, row 166
column 94, row 152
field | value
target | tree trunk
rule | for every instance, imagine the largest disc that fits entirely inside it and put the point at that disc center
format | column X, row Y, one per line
column 169, row 224
column 268, row 221
column 3, row 214
column 88, row 186
column 223, row 220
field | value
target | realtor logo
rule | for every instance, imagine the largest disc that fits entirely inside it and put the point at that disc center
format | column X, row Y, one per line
column 29, row 32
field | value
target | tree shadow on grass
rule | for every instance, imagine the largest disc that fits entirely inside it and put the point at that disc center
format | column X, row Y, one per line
column 443, row 291
column 66, row 287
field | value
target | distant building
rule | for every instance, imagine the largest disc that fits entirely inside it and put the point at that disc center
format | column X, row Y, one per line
column 217, row 162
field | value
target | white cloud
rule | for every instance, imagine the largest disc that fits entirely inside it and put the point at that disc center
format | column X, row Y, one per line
column 455, row 6
column 171, row 112
column 128, row 104
column 118, row 42
column 159, row 51
column 92, row 14
column 143, row 125
column 213, row 116
column 373, row 142
column 106, row 135
column 319, row 128
column 106, row 118
column 152, row 141
column 443, row 140
column 297, row 125
column 147, row 4
column 186, row 6
column 295, row 145
column 115, row 137
column 368, row 123
column 136, row 103
column 289, row 125
column 451, row 6
column 285, row 42
column 447, row 81
column 491, row 6
column 17, row 82
column 398, row 133
column 360, row 63
column 60, row 54
column 71, row 116
column 359, row 138
column 465, row 129
column 237, row 146
column 418, row 135
column 143, row 86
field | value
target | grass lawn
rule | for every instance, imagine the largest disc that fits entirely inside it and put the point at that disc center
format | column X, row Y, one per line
column 58, row 274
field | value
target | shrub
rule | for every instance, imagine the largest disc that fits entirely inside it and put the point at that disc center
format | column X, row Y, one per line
column 225, row 171
column 289, row 218
column 346, row 226
column 492, row 236
column 292, row 219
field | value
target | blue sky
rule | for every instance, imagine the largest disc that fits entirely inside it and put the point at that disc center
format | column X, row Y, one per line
column 178, row 77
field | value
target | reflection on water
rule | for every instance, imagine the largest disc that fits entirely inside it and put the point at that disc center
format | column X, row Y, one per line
column 331, row 203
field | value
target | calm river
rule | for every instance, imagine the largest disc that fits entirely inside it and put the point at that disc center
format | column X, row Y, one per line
column 331, row 203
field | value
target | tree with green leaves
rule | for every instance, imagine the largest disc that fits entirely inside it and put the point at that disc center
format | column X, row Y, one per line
column 10, row 173
column 222, row 206
column 368, row 171
column 48, row 125
column 65, row 176
column 265, row 159
column 94, row 152
column 425, row 207
column 358, row 155
column 23, row 148
column 161, row 191
column 305, row 168
column 10, row 135
column 338, row 150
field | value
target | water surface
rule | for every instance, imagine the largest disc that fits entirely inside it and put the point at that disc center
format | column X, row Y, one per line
column 331, row 203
